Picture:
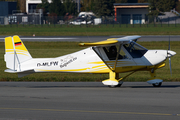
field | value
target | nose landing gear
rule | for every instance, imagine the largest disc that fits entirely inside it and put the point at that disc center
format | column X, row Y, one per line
column 156, row 82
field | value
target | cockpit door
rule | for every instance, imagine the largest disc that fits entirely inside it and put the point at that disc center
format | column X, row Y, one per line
column 113, row 56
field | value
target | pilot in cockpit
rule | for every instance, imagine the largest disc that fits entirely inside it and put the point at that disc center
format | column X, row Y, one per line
column 112, row 54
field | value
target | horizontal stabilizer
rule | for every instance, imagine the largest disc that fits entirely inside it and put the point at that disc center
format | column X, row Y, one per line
column 20, row 73
column 10, row 71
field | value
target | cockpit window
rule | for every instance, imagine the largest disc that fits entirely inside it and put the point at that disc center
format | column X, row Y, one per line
column 135, row 50
column 112, row 52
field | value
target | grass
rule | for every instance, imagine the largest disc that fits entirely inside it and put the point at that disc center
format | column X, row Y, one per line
column 90, row 30
column 54, row 49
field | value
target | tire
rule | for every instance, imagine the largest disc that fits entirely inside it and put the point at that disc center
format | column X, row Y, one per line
column 157, row 84
column 113, row 86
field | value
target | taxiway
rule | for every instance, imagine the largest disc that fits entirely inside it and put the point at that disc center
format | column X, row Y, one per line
column 88, row 101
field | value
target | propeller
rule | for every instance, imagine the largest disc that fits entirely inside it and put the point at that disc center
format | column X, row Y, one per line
column 169, row 57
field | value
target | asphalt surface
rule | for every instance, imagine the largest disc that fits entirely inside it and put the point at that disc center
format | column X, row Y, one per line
column 88, row 101
column 93, row 38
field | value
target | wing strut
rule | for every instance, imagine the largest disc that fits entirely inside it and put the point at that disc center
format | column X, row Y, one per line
column 120, row 45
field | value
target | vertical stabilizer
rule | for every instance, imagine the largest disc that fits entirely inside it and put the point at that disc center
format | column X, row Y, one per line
column 15, row 53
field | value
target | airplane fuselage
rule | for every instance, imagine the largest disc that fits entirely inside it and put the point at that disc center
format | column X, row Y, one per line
column 87, row 61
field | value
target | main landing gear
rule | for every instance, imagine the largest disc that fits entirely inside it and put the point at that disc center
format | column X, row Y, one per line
column 156, row 82
column 119, row 85
column 114, row 80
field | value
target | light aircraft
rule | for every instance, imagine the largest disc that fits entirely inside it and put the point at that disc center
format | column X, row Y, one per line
column 113, row 56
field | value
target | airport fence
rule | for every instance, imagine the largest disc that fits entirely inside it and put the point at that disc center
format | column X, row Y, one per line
column 118, row 21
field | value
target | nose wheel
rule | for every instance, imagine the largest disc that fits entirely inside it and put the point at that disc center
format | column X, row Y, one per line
column 156, row 82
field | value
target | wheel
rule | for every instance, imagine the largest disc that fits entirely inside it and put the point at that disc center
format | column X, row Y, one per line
column 157, row 84
column 113, row 86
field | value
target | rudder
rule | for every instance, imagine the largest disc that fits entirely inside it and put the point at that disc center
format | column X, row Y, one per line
column 15, row 53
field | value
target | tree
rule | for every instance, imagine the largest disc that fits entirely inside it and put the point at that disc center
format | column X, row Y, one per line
column 87, row 5
column 153, row 8
column 45, row 6
column 104, row 7
column 57, row 8
column 132, row 1
column 111, row 7
column 178, row 6
column 157, row 6
column 121, row 1
column 142, row 1
column 69, row 6
column 166, row 5
column 9, row 0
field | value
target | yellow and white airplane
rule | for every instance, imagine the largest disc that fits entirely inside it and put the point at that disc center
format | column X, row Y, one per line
column 113, row 56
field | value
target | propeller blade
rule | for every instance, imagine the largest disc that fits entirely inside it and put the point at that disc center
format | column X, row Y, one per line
column 169, row 57
column 168, row 46
column 169, row 43
column 170, row 66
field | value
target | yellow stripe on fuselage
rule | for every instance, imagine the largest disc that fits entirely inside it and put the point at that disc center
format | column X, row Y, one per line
column 70, row 70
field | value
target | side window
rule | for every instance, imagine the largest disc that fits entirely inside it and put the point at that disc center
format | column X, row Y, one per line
column 112, row 51
column 124, row 56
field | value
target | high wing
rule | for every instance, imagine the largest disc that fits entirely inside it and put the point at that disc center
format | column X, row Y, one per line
column 123, row 40
column 106, row 42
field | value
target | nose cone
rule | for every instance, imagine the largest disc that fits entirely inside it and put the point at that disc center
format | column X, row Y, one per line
column 170, row 53
column 157, row 56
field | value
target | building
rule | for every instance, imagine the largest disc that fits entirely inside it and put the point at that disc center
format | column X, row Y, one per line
column 31, row 5
column 7, row 8
column 131, row 13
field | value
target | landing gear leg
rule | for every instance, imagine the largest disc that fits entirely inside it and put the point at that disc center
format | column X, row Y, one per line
column 156, row 82
column 115, row 76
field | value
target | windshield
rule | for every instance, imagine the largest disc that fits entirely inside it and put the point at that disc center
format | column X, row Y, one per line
column 135, row 50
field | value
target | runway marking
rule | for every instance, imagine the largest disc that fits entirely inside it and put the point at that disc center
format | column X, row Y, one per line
column 83, row 111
